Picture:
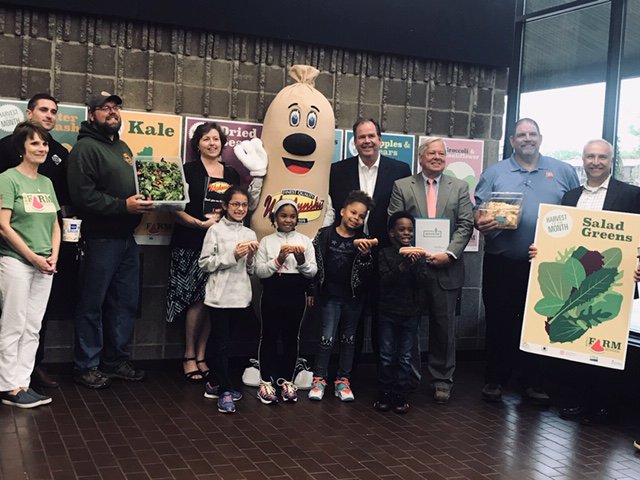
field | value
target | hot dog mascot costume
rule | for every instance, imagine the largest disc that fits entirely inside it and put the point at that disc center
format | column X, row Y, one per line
column 298, row 138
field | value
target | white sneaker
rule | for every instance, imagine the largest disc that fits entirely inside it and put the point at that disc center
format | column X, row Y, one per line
column 317, row 388
column 343, row 390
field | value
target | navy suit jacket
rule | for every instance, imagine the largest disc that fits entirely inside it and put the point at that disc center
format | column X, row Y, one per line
column 344, row 179
column 621, row 197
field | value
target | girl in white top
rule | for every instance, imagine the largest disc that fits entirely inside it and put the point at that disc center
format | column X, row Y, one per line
column 285, row 263
column 228, row 255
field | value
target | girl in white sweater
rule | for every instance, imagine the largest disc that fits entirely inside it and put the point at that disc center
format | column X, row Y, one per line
column 228, row 255
column 285, row 263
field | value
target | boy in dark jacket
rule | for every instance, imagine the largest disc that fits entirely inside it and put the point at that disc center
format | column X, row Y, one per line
column 400, row 305
column 343, row 255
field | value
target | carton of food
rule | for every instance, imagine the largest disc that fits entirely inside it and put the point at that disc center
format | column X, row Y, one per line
column 504, row 207
column 161, row 180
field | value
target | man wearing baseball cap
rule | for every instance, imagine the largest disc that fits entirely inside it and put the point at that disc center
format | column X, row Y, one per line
column 103, row 192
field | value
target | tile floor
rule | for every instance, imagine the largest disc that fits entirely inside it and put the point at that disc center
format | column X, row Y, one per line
column 163, row 428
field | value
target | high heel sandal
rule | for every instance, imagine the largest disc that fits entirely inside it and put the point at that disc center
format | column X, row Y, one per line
column 190, row 376
column 204, row 373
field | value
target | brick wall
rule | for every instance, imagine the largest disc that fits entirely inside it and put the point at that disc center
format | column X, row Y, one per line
column 173, row 70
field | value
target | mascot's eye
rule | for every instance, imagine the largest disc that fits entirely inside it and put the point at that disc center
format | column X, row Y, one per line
column 294, row 118
column 312, row 120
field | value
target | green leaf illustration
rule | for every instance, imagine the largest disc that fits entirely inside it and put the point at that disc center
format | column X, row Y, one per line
column 552, row 282
column 565, row 329
column 548, row 306
column 574, row 273
column 592, row 286
column 612, row 257
column 579, row 252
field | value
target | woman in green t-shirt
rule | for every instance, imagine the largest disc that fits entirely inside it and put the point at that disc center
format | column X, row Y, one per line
column 29, row 244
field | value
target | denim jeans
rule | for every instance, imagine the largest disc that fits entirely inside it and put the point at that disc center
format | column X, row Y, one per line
column 107, row 302
column 343, row 312
column 396, row 334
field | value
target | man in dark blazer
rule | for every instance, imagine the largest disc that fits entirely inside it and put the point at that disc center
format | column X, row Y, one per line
column 600, row 192
column 370, row 172
column 446, row 269
column 374, row 174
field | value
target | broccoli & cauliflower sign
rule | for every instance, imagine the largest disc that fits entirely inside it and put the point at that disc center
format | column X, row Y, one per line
column 581, row 285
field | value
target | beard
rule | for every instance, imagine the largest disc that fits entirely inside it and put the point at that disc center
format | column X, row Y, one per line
column 105, row 128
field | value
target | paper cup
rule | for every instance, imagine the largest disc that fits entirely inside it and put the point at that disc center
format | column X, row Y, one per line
column 71, row 229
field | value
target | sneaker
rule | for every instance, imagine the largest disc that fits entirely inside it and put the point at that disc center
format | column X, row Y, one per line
column 288, row 391
column 214, row 392
column 343, row 390
column 536, row 397
column 42, row 399
column 441, row 394
column 225, row 403
column 317, row 388
column 22, row 399
column 91, row 378
column 266, row 393
column 125, row 371
column 492, row 392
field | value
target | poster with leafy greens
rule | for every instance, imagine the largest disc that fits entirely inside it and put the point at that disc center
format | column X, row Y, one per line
column 581, row 285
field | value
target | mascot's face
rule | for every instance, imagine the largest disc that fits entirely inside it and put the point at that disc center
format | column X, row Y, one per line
column 298, row 131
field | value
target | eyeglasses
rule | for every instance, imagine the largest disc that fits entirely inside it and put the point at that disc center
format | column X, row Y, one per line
column 109, row 108
column 238, row 205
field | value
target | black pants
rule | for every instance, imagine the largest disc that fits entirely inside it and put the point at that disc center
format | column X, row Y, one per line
column 282, row 309
column 218, row 343
column 504, row 291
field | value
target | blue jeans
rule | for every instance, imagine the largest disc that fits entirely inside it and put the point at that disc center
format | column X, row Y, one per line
column 344, row 312
column 397, row 334
column 108, row 294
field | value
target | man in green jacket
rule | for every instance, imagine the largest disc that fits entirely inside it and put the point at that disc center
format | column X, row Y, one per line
column 102, row 188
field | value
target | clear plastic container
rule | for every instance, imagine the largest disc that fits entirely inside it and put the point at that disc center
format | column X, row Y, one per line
column 504, row 207
column 161, row 180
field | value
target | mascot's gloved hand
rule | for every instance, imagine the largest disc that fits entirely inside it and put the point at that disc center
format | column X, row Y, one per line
column 253, row 156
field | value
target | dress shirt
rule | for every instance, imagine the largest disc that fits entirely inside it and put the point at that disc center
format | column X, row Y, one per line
column 592, row 198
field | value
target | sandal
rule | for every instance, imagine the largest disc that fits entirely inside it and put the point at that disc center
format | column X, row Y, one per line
column 190, row 376
column 204, row 373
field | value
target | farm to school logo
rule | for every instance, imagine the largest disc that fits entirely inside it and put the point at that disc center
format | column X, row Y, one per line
column 600, row 345
column 309, row 205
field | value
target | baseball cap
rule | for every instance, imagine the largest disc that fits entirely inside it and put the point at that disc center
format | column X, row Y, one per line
column 98, row 99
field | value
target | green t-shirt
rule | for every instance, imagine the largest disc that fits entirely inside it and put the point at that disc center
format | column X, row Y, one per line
column 34, row 205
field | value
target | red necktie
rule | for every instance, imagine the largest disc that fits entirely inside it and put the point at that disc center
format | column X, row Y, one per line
column 431, row 198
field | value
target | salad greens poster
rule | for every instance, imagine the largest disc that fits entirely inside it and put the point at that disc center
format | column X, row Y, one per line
column 581, row 285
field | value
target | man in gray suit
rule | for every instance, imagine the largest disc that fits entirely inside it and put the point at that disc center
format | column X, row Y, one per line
column 416, row 195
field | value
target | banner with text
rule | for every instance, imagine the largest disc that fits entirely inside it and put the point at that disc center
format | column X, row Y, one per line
column 581, row 285
column 394, row 145
column 464, row 162
column 67, row 126
column 152, row 134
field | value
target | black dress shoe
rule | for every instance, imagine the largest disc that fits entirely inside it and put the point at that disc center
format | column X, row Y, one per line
column 383, row 404
column 573, row 412
column 600, row 416
column 41, row 378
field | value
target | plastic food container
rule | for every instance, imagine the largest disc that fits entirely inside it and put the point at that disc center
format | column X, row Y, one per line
column 505, row 208
column 161, row 180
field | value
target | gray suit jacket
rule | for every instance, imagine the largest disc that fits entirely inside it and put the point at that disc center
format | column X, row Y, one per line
column 409, row 194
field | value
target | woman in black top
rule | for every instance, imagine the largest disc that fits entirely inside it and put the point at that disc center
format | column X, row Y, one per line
column 208, row 178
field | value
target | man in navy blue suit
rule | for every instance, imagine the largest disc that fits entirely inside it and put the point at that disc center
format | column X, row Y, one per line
column 374, row 174
column 370, row 172
column 600, row 192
